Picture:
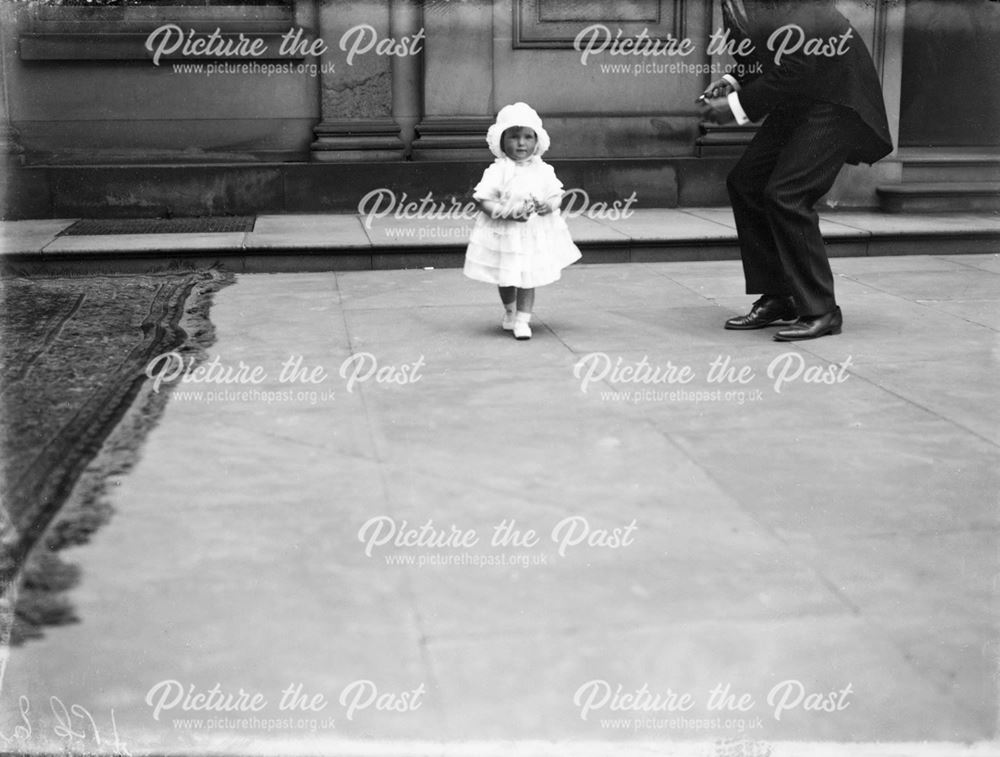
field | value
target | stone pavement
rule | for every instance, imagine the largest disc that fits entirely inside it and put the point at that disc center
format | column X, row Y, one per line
column 741, row 547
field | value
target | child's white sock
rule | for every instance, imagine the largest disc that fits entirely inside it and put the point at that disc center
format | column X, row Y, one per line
column 521, row 328
column 509, row 309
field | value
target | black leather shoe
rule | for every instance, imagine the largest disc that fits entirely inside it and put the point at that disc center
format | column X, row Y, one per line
column 765, row 311
column 813, row 327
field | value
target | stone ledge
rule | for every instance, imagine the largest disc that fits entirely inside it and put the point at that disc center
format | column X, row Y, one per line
column 80, row 46
column 344, row 242
column 940, row 196
column 136, row 190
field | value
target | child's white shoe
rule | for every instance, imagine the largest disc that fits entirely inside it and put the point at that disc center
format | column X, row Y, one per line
column 507, row 324
column 521, row 328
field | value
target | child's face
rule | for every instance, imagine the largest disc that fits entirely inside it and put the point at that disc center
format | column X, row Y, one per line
column 519, row 142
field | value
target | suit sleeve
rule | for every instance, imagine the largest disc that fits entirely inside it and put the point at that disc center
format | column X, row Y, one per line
column 788, row 82
column 745, row 70
column 797, row 75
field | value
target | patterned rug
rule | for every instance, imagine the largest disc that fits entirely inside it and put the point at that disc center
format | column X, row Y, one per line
column 75, row 407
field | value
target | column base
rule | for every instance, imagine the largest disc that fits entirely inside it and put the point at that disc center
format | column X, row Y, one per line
column 10, row 142
column 452, row 139
column 352, row 141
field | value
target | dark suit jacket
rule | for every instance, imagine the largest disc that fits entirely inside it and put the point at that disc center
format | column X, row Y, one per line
column 849, row 80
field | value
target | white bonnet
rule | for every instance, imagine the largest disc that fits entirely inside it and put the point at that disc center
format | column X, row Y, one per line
column 518, row 114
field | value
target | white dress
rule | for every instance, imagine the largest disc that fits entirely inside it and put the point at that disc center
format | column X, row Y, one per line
column 519, row 254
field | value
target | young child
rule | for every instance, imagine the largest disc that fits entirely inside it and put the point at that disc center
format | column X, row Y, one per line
column 519, row 241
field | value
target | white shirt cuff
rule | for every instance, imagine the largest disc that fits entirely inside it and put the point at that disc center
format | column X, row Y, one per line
column 737, row 109
column 732, row 81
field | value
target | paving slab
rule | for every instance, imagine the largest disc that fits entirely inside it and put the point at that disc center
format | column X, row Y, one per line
column 983, row 312
column 917, row 223
column 723, row 216
column 462, row 542
column 144, row 243
column 872, row 572
column 986, row 262
column 752, row 658
column 17, row 237
column 589, row 230
column 828, row 223
column 951, row 388
column 933, row 285
column 629, row 283
column 306, row 232
column 876, row 264
column 645, row 225
column 419, row 289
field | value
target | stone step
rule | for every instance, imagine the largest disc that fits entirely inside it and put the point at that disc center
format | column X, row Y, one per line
column 728, row 139
column 938, row 197
column 950, row 164
column 331, row 242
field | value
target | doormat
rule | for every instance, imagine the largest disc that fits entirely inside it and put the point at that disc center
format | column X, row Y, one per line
column 209, row 225
column 76, row 405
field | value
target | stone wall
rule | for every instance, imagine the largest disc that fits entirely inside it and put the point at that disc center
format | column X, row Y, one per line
column 81, row 89
column 75, row 96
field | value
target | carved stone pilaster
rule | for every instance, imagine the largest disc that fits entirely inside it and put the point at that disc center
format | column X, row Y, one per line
column 356, row 99
column 458, row 81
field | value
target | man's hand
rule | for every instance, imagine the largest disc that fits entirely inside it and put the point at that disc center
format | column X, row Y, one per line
column 718, row 88
column 716, row 109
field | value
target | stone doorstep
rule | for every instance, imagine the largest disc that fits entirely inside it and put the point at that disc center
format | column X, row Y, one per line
column 38, row 244
column 938, row 196
column 743, row 745
column 302, row 261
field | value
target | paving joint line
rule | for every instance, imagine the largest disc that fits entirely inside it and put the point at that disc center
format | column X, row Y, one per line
column 907, row 400
column 766, row 527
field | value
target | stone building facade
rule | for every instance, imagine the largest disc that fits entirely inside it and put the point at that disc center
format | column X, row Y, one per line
column 306, row 105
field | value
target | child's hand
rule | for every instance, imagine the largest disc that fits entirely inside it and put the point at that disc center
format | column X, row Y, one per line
column 542, row 208
column 523, row 212
column 506, row 210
